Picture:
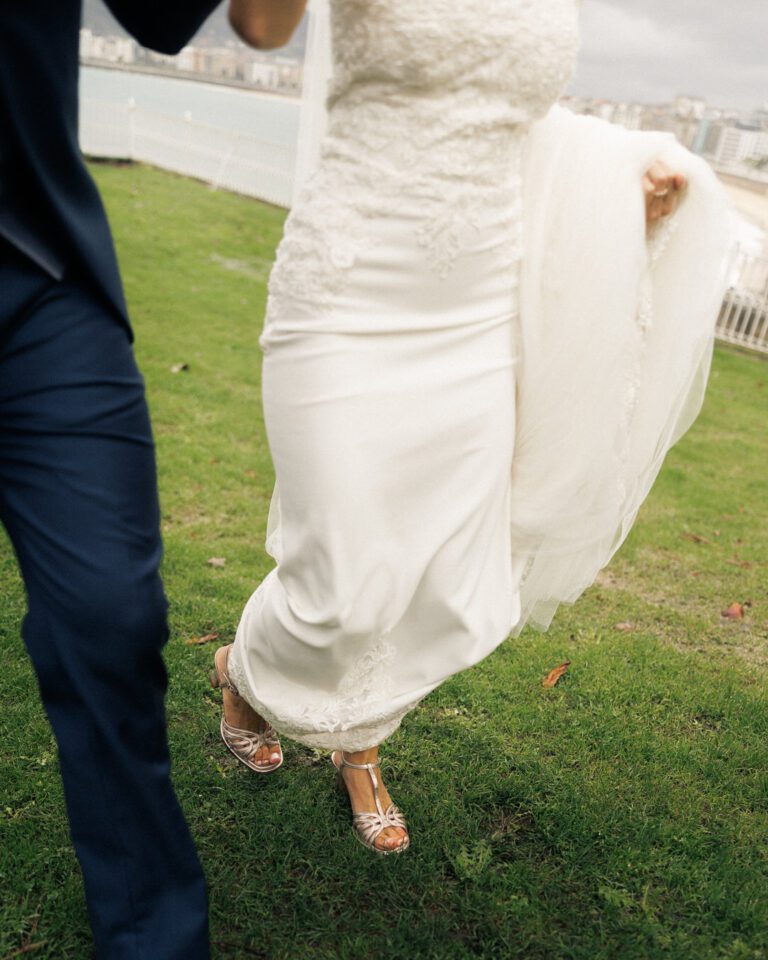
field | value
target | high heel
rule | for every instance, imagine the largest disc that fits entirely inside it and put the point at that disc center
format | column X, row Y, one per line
column 244, row 744
column 368, row 827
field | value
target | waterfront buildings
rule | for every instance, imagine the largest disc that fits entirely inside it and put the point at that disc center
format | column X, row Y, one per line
column 734, row 143
column 232, row 63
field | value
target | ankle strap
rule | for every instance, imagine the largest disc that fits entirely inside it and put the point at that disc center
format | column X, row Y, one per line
column 370, row 767
column 357, row 766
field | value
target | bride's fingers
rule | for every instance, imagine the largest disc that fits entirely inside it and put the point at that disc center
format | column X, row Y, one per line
column 656, row 189
column 658, row 175
column 655, row 206
column 679, row 182
column 668, row 206
column 649, row 188
column 677, row 185
column 663, row 189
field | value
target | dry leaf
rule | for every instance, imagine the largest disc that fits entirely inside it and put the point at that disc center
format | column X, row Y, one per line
column 554, row 675
column 695, row 538
column 180, row 368
column 216, row 562
column 199, row 641
column 624, row 627
column 734, row 612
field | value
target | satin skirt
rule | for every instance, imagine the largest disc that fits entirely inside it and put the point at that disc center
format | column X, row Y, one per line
column 390, row 417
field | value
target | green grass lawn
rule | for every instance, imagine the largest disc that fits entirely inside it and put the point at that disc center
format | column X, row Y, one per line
column 622, row 814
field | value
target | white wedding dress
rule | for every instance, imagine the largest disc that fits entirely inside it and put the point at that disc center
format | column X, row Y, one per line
column 464, row 406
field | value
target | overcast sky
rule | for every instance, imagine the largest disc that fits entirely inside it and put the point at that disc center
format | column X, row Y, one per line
column 652, row 50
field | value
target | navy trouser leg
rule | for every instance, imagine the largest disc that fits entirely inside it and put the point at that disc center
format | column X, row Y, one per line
column 78, row 497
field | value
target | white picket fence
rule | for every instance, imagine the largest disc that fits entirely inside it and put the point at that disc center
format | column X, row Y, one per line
column 253, row 166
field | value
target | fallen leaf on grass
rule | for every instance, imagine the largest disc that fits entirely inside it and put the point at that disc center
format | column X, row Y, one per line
column 735, row 611
column 180, row 368
column 742, row 564
column 199, row 641
column 695, row 537
column 624, row 627
column 216, row 562
column 554, row 675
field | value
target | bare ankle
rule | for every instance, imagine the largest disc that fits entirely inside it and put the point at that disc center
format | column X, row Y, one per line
column 362, row 756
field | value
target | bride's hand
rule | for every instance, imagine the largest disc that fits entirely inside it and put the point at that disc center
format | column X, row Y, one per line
column 663, row 191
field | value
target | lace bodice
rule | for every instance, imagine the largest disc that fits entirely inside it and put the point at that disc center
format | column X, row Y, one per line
column 480, row 63
column 427, row 107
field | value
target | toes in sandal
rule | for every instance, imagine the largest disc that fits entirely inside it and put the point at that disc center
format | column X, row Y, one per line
column 368, row 827
column 244, row 744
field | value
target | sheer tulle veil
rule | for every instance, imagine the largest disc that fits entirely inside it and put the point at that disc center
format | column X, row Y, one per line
column 317, row 74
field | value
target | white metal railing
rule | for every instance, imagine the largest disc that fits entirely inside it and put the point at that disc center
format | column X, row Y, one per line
column 241, row 162
column 744, row 315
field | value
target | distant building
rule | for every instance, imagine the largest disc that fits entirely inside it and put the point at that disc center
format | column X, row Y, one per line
column 739, row 143
column 760, row 116
column 223, row 63
column 264, row 73
column 276, row 73
column 707, row 137
column 659, row 119
column 690, row 108
column 629, row 115
column 108, row 49
column 191, row 60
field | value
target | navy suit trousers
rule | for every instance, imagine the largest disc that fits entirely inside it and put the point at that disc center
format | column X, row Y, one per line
column 78, row 497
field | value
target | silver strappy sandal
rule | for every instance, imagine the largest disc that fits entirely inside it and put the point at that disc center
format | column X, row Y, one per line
column 244, row 744
column 368, row 827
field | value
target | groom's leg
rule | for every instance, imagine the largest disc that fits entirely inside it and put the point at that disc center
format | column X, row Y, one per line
column 78, row 497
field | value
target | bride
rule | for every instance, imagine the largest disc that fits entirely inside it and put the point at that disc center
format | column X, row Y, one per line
column 487, row 322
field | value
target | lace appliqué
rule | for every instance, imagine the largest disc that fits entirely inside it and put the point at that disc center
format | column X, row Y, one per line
column 456, row 223
column 444, row 234
column 358, row 717
column 321, row 242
